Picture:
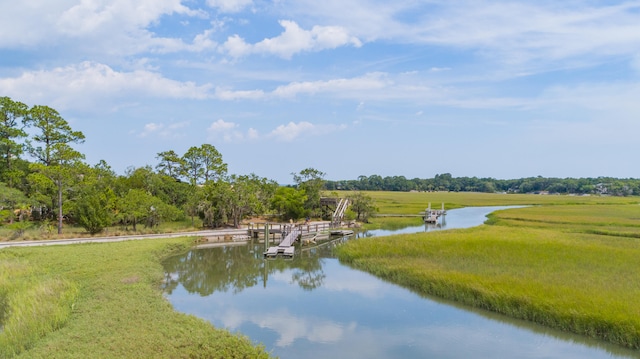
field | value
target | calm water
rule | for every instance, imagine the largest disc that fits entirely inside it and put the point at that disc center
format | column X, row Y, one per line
column 314, row 307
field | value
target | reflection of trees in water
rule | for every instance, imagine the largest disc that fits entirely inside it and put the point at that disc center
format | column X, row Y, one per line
column 309, row 276
column 208, row 270
column 235, row 268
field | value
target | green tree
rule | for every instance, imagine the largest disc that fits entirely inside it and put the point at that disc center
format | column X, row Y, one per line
column 93, row 210
column 170, row 163
column 363, row 206
column 217, row 203
column 202, row 164
column 289, row 203
column 57, row 160
column 249, row 195
column 12, row 200
column 95, row 203
column 138, row 206
column 311, row 181
column 12, row 117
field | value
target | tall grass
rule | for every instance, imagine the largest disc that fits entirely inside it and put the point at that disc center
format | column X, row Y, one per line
column 559, row 275
column 114, row 307
column 31, row 305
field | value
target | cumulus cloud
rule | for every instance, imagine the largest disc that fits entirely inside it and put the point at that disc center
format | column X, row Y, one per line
column 90, row 83
column 293, row 131
column 116, row 27
column 230, row 132
column 153, row 129
column 293, row 40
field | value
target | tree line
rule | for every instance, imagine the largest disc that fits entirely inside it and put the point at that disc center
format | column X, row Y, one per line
column 446, row 182
column 45, row 181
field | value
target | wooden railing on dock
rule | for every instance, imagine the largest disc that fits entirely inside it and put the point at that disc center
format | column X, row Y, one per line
column 257, row 229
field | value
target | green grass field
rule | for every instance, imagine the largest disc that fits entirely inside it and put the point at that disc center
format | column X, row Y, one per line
column 563, row 263
column 101, row 301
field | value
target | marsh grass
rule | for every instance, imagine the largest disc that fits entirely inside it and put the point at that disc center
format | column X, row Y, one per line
column 110, row 302
column 392, row 223
column 31, row 306
column 549, row 268
column 416, row 202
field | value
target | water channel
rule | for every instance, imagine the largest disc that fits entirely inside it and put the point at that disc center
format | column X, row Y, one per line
column 315, row 307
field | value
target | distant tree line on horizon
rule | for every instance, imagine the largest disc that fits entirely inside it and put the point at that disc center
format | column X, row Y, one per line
column 446, row 182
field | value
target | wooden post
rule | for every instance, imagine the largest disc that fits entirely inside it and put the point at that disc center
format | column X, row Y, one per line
column 266, row 237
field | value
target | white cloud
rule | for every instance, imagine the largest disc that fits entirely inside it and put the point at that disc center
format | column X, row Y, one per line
column 230, row 6
column 222, row 126
column 531, row 33
column 90, row 84
column 151, row 128
column 162, row 130
column 252, row 134
column 229, row 132
column 293, row 40
column 293, row 131
column 368, row 82
column 203, row 41
column 108, row 26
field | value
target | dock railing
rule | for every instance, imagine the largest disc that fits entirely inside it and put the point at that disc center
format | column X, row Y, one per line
column 257, row 229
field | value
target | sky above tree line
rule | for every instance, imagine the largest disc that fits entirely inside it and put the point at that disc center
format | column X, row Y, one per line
column 503, row 89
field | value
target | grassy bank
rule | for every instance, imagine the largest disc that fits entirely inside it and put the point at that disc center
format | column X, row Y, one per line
column 572, row 267
column 102, row 301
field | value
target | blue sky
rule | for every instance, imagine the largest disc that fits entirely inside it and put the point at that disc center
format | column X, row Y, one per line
column 502, row 89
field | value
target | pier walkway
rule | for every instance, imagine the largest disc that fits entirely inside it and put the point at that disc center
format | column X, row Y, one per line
column 432, row 215
column 285, row 247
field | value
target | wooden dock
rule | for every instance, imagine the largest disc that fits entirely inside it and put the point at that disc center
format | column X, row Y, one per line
column 285, row 248
column 432, row 215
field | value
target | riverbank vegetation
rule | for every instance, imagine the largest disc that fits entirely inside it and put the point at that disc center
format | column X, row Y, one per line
column 102, row 301
column 572, row 265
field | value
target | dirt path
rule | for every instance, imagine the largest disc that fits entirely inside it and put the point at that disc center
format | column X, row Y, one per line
column 49, row 242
